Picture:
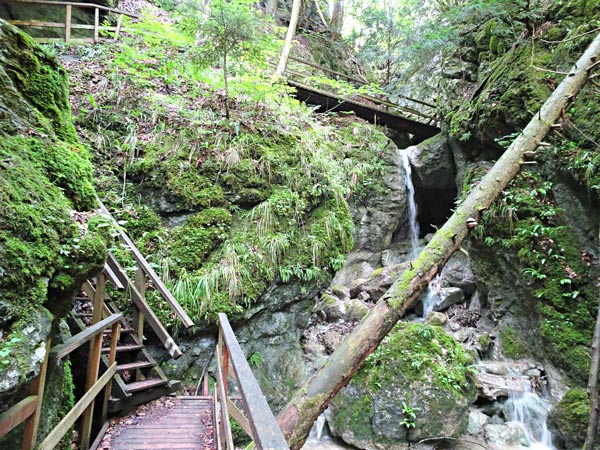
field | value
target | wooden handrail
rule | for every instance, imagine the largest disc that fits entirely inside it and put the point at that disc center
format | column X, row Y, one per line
column 156, row 281
column 54, row 437
column 61, row 350
column 76, row 4
column 140, row 302
column 17, row 414
column 264, row 429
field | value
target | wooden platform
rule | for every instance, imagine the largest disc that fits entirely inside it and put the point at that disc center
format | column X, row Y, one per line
column 186, row 424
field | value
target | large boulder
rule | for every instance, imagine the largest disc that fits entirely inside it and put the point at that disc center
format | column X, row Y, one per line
column 415, row 386
column 432, row 163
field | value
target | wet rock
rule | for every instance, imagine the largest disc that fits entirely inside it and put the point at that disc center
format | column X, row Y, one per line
column 505, row 435
column 447, row 297
column 340, row 291
column 432, row 163
column 477, row 420
column 377, row 218
column 332, row 340
column 332, row 306
column 458, row 273
column 356, row 310
column 436, row 318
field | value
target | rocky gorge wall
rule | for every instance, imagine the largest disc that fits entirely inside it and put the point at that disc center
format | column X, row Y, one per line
column 47, row 245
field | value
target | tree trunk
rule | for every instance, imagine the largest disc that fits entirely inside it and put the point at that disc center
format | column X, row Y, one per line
column 592, row 388
column 307, row 403
column 226, row 83
column 337, row 19
column 291, row 31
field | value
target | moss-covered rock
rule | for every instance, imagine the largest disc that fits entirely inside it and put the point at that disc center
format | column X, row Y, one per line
column 415, row 386
column 569, row 418
column 46, row 252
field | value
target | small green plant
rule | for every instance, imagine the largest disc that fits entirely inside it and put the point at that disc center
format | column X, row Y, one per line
column 224, row 31
column 255, row 359
column 410, row 416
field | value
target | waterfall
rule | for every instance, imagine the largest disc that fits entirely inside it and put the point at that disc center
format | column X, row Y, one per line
column 316, row 433
column 432, row 296
column 530, row 412
column 413, row 225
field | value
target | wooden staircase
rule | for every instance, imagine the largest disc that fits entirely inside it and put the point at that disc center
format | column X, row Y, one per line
column 138, row 378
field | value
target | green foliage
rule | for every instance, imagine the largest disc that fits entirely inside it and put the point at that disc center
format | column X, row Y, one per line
column 255, row 359
column 526, row 221
column 229, row 30
column 410, row 416
column 421, row 352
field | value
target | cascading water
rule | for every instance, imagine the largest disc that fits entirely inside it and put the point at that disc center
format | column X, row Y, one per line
column 413, row 224
column 530, row 412
column 432, row 296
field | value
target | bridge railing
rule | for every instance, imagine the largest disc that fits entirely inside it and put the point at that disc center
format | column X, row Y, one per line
column 68, row 24
column 137, row 289
column 420, row 109
column 255, row 416
column 29, row 409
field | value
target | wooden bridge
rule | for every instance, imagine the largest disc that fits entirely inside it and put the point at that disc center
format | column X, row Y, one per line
column 418, row 120
column 121, row 374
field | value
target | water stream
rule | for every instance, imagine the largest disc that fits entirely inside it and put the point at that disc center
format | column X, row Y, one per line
column 413, row 224
column 530, row 412
column 432, row 296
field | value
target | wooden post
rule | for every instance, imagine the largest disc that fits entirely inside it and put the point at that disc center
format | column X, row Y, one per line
column 224, row 354
column 68, row 24
column 138, row 316
column 37, row 388
column 119, row 25
column 112, row 356
column 96, row 24
column 93, row 360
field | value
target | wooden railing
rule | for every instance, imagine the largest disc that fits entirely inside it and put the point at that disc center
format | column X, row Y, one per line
column 255, row 417
column 68, row 24
column 28, row 410
column 424, row 110
column 137, row 289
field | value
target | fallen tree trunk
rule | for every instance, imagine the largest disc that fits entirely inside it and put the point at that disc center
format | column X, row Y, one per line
column 592, row 387
column 299, row 414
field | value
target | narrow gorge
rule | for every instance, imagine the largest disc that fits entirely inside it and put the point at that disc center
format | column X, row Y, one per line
column 294, row 217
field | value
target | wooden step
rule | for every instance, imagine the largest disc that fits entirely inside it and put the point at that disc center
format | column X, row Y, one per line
column 148, row 383
column 122, row 330
column 124, row 348
column 134, row 366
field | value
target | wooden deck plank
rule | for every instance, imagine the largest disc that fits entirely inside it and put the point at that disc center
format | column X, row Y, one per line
column 186, row 424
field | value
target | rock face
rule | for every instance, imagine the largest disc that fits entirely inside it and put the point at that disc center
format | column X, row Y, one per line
column 44, row 255
column 415, row 386
column 376, row 219
column 434, row 179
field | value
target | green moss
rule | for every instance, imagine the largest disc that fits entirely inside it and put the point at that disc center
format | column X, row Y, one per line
column 571, row 415
column 192, row 242
column 420, row 352
column 43, row 83
column 512, row 345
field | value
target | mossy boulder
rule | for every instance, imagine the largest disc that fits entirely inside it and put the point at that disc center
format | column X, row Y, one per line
column 46, row 250
column 417, row 385
column 569, row 418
